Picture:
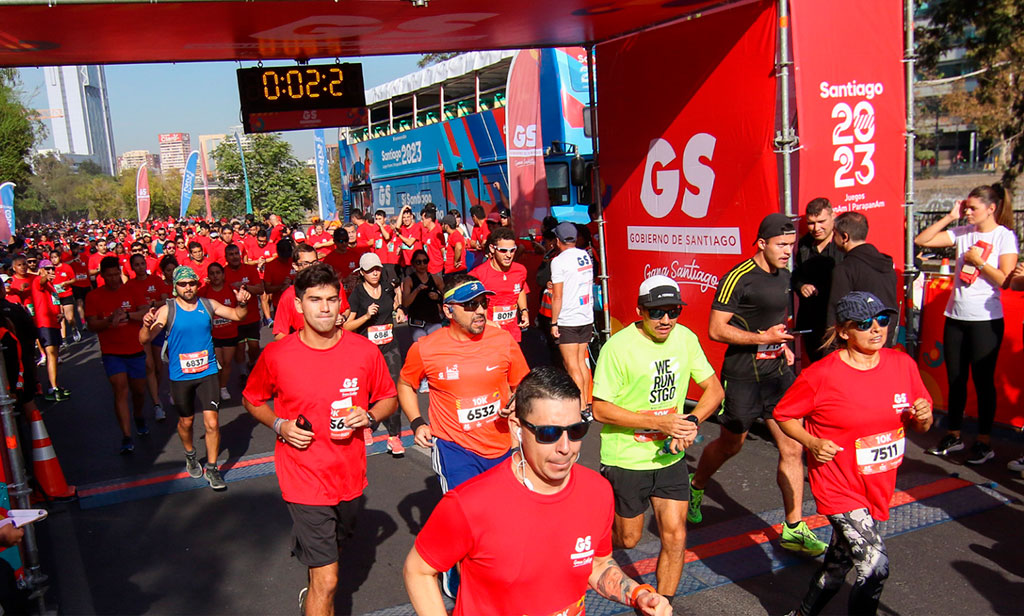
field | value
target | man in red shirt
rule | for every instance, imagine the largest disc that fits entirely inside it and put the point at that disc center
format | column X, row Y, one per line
column 433, row 239
column 319, row 239
column 203, row 237
column 320, row 457
column 507, row 279
column 364, row 230
column 565, row 511
column 409, row 237
column 477, row 244
column 455, row 246
column 154, row 292
column 278, row 274
column 344, row 259
column 48, row 316
column 385, row 246
column 63, row 278
column 238, row 275
column 115, row 314
column 198, row 260
column 288, row 319
column 20, row 284
column 277, row 228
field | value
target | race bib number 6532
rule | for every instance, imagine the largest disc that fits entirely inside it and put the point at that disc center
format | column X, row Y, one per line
column 478, row 410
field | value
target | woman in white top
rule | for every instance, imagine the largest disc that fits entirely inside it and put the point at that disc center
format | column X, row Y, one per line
column 973, row 331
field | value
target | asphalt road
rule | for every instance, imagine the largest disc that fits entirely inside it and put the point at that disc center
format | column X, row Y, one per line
column 173, row 546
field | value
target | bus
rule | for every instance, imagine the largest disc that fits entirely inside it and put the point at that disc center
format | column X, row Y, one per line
column 438, row 136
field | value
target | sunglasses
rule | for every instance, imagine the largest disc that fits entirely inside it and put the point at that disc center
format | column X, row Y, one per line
column 552, row 434
column 49, row 269
column 420, row 262
column 473, row 304
column 658, row 313
column 865, row 325
column 302, row 264
column 506, row 251
column 187, row 283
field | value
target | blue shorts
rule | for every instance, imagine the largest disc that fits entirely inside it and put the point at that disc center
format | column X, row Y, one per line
column 134, row 365
column 49, row 336
column 158, row 340
column 455, row 464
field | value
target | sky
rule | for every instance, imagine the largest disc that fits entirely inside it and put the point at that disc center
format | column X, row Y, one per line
column 198, row 98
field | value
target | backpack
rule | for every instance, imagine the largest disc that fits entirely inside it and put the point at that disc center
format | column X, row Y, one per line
column 172, row 307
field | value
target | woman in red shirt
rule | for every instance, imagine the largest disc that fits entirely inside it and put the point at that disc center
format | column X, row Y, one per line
column 225, row 332
column 850, row 410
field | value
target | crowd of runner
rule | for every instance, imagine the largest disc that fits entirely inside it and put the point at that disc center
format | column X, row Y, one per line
column 187, row 302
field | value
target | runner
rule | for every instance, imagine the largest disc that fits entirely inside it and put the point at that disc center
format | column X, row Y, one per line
column 841, row 410
column 344, row 259
column 433, row 239
column 471, row 370
column 63, row 278
column 154, row 291
column 115, row 314
column 640, row 387
column 410, row 235
column 749, row 313
column 455, row 246
column 198, row 260
column 225, row 331
column 79, row 288
column 288, row 319
column 321, row 468
column 501, row 274
column 239, row 275
column 373, row 306
column 189, row 322
column 572, row 306
column 277, row 276
column 48, row 318
column 562, row 510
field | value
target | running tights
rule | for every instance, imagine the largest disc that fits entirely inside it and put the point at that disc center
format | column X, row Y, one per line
column 855, row 543
column 972, row 347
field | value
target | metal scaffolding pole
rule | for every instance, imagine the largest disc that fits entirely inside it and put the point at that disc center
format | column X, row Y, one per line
column 910, row 273
column 595, row 195
column 785, row 138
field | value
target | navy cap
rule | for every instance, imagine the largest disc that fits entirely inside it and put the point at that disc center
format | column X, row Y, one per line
column 860, row 306
column 566, row 231
column 774, row 225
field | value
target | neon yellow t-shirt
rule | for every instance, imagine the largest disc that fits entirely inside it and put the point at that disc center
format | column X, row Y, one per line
column 643, row 376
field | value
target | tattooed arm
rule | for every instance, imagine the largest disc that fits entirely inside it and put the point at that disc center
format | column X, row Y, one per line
column 611, row 582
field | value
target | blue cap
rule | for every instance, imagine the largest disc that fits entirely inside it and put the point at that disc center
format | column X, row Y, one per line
column 466, row 291
column 860, row 306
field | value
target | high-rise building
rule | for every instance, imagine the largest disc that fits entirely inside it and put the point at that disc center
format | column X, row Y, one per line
column 133, row 159
column 174, row 150
column 207, row 144
column 80, row 121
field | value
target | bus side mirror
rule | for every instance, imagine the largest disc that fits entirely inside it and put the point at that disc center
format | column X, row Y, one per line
column 578, row 171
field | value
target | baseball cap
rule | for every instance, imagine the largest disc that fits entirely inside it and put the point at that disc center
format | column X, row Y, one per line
column 504, row 213
column 369, row 261
column 465, row 292
column 45, row 263
column 774, row 225
column 494, row 217
column 860, row 306
column 659, row 291
column 450, row 221
column 566, row 231
column 299, row 235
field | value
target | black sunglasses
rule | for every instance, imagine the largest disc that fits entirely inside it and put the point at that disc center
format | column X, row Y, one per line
column 865, row 325
column 473, row 304
column 420, row 262
column 658, row 313
column 551, row 434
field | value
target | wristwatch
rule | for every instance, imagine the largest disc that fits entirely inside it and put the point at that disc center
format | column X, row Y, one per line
column 693, row 418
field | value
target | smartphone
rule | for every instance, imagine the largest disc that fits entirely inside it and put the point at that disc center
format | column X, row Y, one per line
column 304, row 423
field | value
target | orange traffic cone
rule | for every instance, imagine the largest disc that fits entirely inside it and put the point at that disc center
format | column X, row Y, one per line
column 44, row 460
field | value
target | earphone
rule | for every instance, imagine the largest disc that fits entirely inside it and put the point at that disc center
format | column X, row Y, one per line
column 519, row 434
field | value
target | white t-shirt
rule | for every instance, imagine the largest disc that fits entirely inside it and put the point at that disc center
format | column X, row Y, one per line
column 574, row 269
column 979, row 301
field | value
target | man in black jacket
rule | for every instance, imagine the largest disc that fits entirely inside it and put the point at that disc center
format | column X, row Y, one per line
column 863, row 269
column 816, row 257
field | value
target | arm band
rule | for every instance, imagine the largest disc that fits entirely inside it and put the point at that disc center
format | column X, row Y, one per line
column 638, row 590
column 416, row 423
column 277, row 425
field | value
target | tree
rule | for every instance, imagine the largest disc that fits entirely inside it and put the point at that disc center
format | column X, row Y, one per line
column 279, row 182
column 990, row 32
column 433, row 58
column 18, row 132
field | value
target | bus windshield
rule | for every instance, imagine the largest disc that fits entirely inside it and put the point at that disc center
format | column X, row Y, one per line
column 558, row 182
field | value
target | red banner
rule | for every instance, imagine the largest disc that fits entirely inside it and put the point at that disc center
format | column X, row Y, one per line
column 527, row 177
column 686, row 154
column 851, row 112
column 142, row 198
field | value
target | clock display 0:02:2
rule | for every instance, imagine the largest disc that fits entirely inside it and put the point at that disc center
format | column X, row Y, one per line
column 297, row 84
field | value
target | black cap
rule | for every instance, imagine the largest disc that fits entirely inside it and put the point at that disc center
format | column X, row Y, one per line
column 566, row 231
column 774, row 225
column 450, row 221
column 860, row 306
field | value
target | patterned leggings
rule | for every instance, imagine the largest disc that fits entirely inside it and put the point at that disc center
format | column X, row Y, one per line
column 855, row 543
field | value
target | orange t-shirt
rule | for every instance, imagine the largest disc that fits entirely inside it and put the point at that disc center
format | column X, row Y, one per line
column 470, row 380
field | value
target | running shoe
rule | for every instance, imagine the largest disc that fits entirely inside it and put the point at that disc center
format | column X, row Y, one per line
column 424, row 388
column 63, row 393
column 140, row 426
column 694, row 516
column 216, row 481
column 802, row 539
column 395, row 446
column 192, row 465
column 41, row 361
column 1016, row 465
column 450, row 583
column 224, row 395
column 158, row 413
column 51, row 395
column 980, row 453
column 76, row 335
column 946, row 446
column 302, row 601
column 127, row 446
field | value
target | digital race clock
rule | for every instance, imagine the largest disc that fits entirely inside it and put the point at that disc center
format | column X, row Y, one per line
column 301, row 97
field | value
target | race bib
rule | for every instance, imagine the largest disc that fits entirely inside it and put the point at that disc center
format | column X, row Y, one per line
column 880, row 452
column 504, row 314
column 81, row 277
column 646, row 435
column 578, row 608
column 194, row 363
column 381, row 334
column 340, row 409
column 478, row 410
column 378, row 243
column 768, row 351
column 220, row 322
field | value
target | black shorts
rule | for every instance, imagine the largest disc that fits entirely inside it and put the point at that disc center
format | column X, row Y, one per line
column 319, row 530
column 49, row 336
column 633, row 489
column 80, row 292
column 745, row 401
column 575, row 334
column 184, row 394
column 68, row 300
column 249, row 331
column 220, row 343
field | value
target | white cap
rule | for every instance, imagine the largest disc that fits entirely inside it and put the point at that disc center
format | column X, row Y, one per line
column 299, row 235
column 659, row 290
column 369, row 261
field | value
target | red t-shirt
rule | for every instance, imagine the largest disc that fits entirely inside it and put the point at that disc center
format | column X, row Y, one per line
column 123, row 339
column 277, row 272
column 469, row 381
column 245, row 275
column 320, row 238
column 386, row 249
column 344, row 263
column 81, row 271
column 223, row 329
column 480, row 234
column 433, row 243
column 198, row 268
column 859, row 410
column 63, row 277
column 455, row 238
column 152, row 289
column 287, row 319
column 22, row 287
column 46, row 306
column 365, row 234
column 565, row 532
column 328, row 471
column 503, row 308
column 276, row 234
column 413, row 232
column 216, row 252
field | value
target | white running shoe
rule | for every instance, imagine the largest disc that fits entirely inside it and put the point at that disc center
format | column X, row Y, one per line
column 158, row 413
column 224, row 395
